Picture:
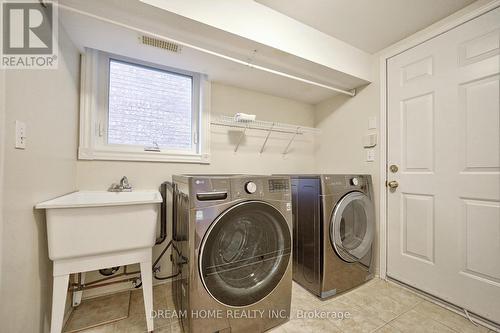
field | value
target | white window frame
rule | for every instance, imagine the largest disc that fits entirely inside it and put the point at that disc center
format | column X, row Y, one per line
column 94, row 95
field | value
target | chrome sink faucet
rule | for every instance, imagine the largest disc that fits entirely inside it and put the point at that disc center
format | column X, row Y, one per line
column 124, row 186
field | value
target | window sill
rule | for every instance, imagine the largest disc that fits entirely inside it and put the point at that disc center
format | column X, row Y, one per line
column 144, row 156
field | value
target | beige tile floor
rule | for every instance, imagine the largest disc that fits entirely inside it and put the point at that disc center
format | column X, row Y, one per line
column 377, row 306
column 99, row 310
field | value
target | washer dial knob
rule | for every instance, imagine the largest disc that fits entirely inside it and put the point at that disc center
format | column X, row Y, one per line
column 250, row 187
column 355, row 181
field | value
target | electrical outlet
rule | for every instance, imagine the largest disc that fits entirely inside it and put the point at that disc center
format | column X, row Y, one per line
column 20, row 135
column 370, row 155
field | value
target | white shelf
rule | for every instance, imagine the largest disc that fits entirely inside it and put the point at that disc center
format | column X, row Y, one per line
column 267, row 126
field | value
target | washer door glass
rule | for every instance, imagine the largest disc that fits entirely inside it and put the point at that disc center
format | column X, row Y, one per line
column 352, row 227
column 245, row 253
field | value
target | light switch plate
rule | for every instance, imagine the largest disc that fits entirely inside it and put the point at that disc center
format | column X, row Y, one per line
column 370, row 140
column 370, row 155
column 20, row 135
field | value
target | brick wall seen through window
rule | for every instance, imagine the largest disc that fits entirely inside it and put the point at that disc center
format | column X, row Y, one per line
column 149, row 105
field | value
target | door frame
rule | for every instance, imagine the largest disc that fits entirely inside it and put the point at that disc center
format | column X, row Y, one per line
column 464, row 15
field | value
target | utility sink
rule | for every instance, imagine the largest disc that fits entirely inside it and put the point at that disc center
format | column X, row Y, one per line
column 87, row 223
column 90, row 230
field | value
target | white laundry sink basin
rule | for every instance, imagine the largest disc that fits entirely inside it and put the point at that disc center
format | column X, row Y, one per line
column 89, row 223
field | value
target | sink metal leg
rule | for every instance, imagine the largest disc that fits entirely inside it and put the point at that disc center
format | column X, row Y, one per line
column 147, row 291
column 59, row 292
column 77, row 295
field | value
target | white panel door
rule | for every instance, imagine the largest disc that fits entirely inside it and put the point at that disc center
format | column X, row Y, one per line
column 443, row 134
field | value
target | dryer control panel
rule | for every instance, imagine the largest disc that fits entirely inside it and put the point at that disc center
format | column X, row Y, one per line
column 333, row 184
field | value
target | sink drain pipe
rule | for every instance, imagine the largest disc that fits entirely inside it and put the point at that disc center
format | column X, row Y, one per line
column 163, row 228
column 79, row 286
column 164, row 187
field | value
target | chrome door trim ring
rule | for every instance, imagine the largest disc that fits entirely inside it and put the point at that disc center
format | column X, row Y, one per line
column 366, row 244
column 212, row 226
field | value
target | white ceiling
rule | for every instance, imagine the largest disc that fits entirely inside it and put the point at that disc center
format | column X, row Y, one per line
column 100, row 25
column 370, row 25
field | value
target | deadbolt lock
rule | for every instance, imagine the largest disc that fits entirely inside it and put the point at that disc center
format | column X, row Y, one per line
column 394, row 168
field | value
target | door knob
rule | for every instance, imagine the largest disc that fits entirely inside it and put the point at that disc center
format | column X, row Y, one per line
column 393, row 184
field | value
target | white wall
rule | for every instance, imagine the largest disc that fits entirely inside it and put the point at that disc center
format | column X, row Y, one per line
column 98, row 175
column 47, row 101
column 344, row 121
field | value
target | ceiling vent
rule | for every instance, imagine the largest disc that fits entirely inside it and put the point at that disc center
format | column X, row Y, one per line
column 162, row 44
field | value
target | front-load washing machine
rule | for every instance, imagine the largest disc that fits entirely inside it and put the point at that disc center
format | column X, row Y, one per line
column 333, row 233
column 232, row 247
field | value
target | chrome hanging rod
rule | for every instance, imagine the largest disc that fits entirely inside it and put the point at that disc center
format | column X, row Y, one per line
column 220, row 55
column 244, row 127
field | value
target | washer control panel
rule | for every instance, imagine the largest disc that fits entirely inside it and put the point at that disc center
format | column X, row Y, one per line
column 278, row 185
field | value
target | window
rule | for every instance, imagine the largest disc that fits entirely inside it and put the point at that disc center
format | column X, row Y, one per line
column 133, row 110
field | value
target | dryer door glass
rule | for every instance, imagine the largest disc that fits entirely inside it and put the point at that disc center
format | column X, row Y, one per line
column 352, row 227
column 245, row 253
